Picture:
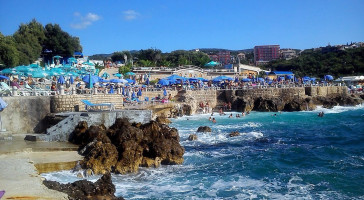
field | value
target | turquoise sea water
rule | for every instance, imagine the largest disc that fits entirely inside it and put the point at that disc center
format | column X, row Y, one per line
column 293, row 155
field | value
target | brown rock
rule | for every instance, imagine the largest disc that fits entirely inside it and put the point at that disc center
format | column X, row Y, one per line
column 192, row 137
column 100, row 157
column 163, row 120
column 204, row 129
column 148, row 162
column 83, row 189
column 124, row 146
column 234, row 133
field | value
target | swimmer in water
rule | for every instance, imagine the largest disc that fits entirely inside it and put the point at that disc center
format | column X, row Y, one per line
column 210, row 119
column 231, row 115
column 213, row 120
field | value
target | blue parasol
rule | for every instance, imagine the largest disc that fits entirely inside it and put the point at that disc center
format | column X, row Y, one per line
column 4, row 77
column 111, row 90
column 164, row 92
column 130, row 74
column 60, row 80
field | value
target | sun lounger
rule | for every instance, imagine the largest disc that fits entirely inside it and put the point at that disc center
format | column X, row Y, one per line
column 91, row 106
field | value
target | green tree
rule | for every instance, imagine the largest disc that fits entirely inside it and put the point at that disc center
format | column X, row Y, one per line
column 153, row 55
column 121, row 56
column 9, row 55
column 29, row 38
column 58, row 42
column 146, row 63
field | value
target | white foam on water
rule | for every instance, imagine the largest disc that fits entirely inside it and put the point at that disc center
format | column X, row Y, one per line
column 337, row 109
column 67, row 176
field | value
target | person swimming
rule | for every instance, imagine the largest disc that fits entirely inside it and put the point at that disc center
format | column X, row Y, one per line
column 231, row 115
column 321, row 114
column 210, row 118
column 213, row 120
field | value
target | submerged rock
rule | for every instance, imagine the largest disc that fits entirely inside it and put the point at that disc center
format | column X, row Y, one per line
column 124, row 147
column 234, row 133
column 192, row 137
column 204, row 129
column 83, row 189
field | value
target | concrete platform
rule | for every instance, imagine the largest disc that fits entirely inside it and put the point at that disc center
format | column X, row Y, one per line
column 22, row 161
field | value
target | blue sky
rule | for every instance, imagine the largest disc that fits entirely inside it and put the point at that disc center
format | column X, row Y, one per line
column 116, row 25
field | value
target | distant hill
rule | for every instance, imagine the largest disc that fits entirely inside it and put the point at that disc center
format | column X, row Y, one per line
column 318, row 63
column 100, row 56
column 215, row 50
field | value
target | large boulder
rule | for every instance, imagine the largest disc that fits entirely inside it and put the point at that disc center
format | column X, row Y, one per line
column 192, row 137
column 299, row 104
column 163, row 120
column 100, row 157
column 83, row 189
column 332, row 100
column 234, row 134
column 271, row 104
column 124, row 147
column 204, row 129
column 83, row 135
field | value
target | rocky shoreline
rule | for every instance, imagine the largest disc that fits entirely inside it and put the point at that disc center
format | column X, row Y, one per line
column 125, row 146
column 122, row 148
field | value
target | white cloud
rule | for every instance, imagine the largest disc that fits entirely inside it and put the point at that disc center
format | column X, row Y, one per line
column 130, row 15
column 84, row 21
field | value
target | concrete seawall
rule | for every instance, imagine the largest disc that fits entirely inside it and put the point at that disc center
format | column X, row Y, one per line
column 23, row 114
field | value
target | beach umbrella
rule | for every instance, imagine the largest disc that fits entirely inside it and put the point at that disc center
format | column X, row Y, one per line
column 61, row 80
column 9, row 71
column 103, row 80
column 163, row 82
column 71, row 80
column 139, row 93
column 290, row 77
column 222, row 78
column 118, row 75
column 236, row 80
column 111, row 90
column 261, row 79
column 193, row 80
column 123, row 91
column 130, row 73
column 105, row 75
column 130, row 81
column 246, row 80
column 39, row 74
column 164, row 92
column 118, row 81
column 4, row 77
column 93, row 78
column 306, row 78
column 328, row 77
column 203, row 79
